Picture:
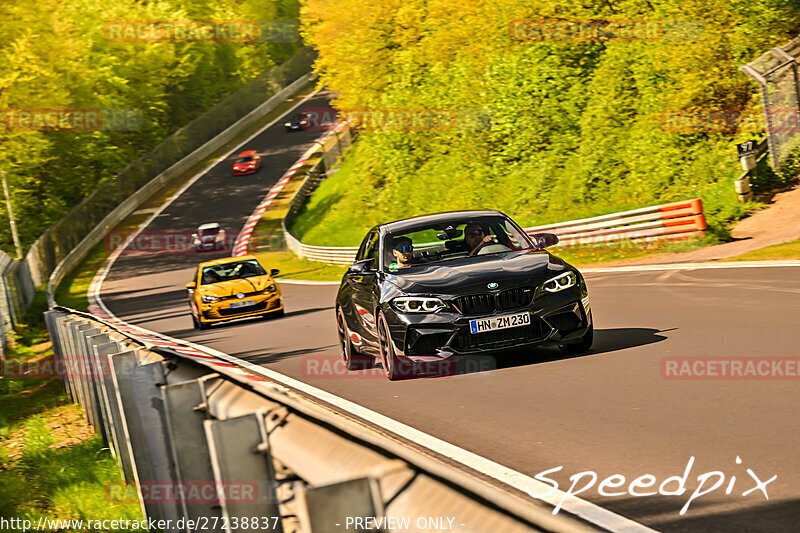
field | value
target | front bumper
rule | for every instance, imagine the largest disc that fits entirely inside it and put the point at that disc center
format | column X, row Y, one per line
column 555, row 318
column 221, row 311
column 243, row 172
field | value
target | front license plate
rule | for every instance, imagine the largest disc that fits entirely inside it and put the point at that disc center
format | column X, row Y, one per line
column 499, row 322
column 248, row 303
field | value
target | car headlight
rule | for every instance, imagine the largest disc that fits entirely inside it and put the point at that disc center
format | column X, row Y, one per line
column 418, row 304
column 208, row 299
column 271, row 288
column 560, row 282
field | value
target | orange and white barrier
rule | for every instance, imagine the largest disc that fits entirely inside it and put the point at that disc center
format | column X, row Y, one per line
column 666, row 221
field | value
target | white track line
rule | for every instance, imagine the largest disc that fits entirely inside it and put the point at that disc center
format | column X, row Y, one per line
column 584, row 509
column 693, row 266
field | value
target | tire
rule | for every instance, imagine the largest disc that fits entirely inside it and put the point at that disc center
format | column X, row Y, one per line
column 200, row 323
column 274, row 314
column 391, row 365
column 349, row 354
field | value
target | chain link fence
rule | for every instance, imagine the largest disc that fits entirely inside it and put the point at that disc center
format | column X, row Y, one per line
column 777, row 76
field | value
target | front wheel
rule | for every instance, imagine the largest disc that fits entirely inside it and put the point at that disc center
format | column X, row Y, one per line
column 345, row 344
column 391, row 366
column 199, row 324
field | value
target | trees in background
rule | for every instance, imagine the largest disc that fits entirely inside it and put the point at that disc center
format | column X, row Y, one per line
column 573, row 127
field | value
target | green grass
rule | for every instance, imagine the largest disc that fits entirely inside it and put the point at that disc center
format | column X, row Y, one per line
column 292, row 267
column 623, row 250
column 787, row 250
column 327, row 219
column 52, row 463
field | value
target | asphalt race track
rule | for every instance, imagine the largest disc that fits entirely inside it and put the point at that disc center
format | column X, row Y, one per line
column 611, row 411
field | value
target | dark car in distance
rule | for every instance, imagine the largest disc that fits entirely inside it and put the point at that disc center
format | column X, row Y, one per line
column 421, row 291
column 298, row 122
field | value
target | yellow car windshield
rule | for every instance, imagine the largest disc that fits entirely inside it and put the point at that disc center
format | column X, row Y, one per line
column 229, row 271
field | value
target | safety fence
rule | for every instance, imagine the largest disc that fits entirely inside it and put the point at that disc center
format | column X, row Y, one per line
column 207, row 445
column 779, row 82
column 16, row 294
column 676, row 220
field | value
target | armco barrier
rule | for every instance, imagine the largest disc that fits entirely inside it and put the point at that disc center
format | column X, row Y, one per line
column 180, row 417
column 676, row 220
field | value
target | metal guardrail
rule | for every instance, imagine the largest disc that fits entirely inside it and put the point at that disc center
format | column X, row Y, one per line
column 178, row 417
column 676, row 220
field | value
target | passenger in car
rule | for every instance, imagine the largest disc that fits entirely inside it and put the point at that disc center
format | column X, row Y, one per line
column 474, row 237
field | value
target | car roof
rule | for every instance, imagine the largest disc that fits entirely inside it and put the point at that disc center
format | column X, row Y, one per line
column 210, row 225
column 400, row 225
column 224, row 260
column 248, row 152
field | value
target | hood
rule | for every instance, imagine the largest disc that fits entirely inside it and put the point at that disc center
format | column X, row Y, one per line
column 235, row 286
column 472, row 275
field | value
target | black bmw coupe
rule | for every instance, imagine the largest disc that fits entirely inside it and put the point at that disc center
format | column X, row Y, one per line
column 441, row 286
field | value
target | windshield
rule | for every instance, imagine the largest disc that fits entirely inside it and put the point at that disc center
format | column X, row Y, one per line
column 456, row 239
column 245, row 159
column 208, row 232
column 229, row 271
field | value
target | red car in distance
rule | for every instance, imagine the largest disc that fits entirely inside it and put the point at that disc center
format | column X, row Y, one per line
column 246, row 163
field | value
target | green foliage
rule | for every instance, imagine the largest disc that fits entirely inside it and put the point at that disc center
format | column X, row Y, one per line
column 576, row 128
column 58, row 55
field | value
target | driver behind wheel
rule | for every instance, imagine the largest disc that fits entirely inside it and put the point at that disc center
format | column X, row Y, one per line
column 474, row 237
column 403, row 252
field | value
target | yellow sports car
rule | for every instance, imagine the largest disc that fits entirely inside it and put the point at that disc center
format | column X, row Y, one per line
column 233, row 287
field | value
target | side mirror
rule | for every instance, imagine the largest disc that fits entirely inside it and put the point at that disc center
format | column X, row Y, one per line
column 274, row 272
column 359, row 267
column 544, row 240
column 191, row 286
